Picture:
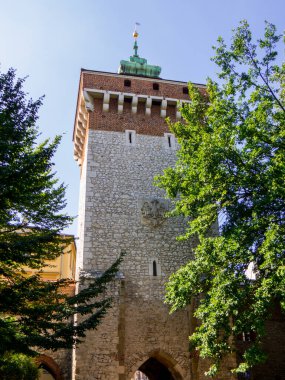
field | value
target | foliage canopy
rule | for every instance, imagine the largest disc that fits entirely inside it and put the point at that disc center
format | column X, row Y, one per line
column 35, row 314
column 231, row 165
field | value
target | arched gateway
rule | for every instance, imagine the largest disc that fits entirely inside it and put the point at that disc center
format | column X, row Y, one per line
column 154, row 370
column 49, row 369
column 121, row 141
column 159, row 365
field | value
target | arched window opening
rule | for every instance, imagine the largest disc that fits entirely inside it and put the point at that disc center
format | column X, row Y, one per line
column 154, row 268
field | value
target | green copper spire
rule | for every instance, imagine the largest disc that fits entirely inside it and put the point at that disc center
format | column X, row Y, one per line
column 136, row 48
column 137, row 65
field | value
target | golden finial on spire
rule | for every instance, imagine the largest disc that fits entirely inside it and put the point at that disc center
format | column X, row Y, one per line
column 135, row 34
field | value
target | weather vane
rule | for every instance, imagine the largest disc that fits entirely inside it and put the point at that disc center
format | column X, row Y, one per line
column 135, row 34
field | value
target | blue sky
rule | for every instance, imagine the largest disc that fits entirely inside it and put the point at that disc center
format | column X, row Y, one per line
column 50, row 40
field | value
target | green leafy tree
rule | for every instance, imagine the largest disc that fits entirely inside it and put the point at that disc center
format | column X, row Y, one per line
column 35, row 314
column 17, row 366
column 231, row 166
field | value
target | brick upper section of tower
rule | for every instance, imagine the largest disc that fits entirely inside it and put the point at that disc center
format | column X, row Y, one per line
column 114, row 102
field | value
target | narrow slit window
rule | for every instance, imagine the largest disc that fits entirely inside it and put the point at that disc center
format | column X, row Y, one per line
column 169, row 141
column 155, row 86
column 154, row 268
column 130, row 137
column 185, row 90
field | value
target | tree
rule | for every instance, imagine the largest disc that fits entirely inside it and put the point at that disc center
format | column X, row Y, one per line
column 231, row 166
column 35, row 314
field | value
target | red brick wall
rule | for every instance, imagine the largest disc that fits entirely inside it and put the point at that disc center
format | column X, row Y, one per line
column 139, row 85
column 113, row 121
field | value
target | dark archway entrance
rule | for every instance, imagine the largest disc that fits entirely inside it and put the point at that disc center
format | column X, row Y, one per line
column 155, row 370
column 157, row 365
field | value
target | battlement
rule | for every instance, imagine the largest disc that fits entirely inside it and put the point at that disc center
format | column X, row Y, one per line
column 114, row 102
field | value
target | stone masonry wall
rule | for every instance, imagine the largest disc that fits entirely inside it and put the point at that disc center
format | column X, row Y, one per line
column 81, row 214
column 119, row 178
column 118, row 217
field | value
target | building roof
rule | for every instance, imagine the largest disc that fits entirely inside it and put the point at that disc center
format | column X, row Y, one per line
column 145, row 78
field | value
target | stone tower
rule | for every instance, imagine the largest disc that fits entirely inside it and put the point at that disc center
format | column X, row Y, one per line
column 121, row 141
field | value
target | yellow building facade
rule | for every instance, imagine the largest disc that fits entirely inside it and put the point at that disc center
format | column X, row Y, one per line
column 61, row 267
